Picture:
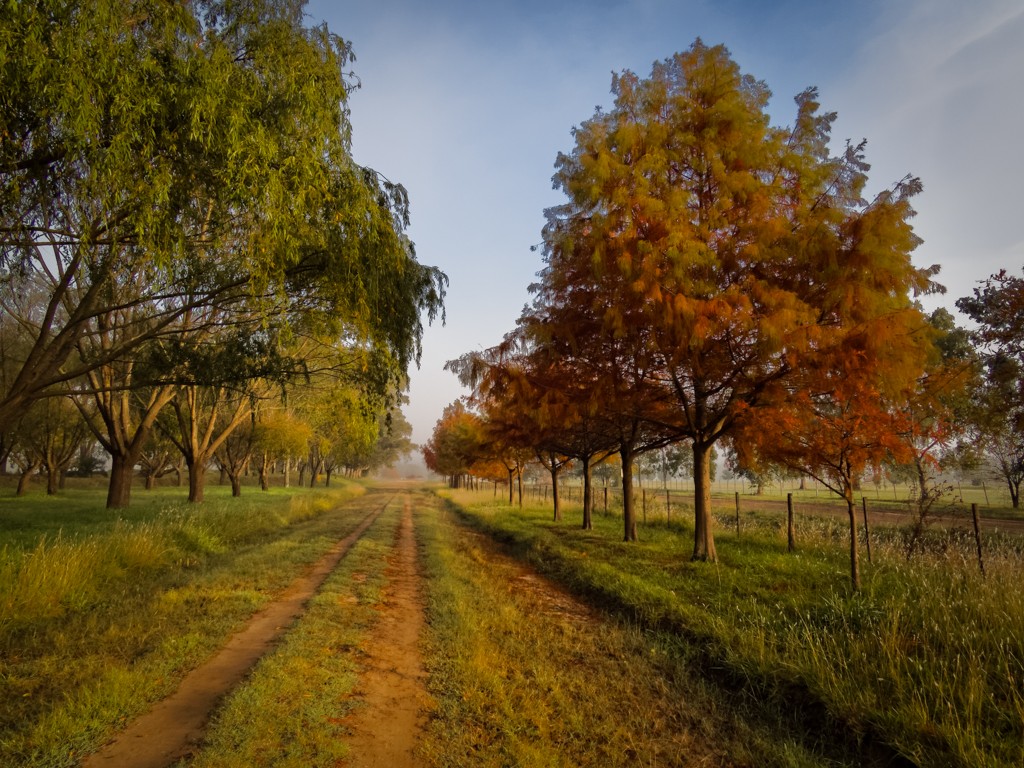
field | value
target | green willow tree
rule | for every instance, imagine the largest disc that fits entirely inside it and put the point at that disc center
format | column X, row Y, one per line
column 201, row 150
column 723, row 249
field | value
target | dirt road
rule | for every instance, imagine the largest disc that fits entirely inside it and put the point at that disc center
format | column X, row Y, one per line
column 385, row 731
column 174, row 727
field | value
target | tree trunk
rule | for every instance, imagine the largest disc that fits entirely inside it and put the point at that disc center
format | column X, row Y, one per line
column 628, row 518
column 519, row 483
column 511, row 490
column 119, row 489
column 1014, row 492
column 554, row 490
column 922, row 484
column 23, row 480
column 703, row 536
column 854, row 559
column 236, row 483
column 223, row 479
column 52, row 480
column 588, row 496
column 288, row 473
column 196, row 481
column 263, row 473
column 150, row 481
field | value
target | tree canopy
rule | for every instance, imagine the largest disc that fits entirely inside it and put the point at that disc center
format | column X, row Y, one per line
column 181, row 156
column 704, row 255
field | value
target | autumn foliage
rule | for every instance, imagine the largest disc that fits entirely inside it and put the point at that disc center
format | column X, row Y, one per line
column 714, row 277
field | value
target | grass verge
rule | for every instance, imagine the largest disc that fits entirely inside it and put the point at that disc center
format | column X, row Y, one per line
column 522, row 676
column 925, row 665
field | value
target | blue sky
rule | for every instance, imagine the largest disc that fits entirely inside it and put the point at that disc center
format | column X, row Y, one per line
column 468, row 103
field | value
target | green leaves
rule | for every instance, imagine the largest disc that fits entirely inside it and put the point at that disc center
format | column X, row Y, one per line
column 206, row 147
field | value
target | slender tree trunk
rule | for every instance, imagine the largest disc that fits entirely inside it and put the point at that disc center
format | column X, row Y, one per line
column 1014, row 492
column 511, row 491
column 288, row 473
column 854, row 559
column 150, row 481
column 554, row 491
column 327, row 478
column 703, row 536
column 922, row 484
column 588, row 496
column 628, row 517
column 519, row 483
column 236, row 483
column 264, row 472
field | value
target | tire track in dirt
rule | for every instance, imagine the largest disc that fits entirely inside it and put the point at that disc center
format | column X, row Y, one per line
column 175, row 725
column 386, row 730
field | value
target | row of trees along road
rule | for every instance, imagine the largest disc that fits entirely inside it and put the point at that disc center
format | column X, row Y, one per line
column 183, row 228
column 714, row 279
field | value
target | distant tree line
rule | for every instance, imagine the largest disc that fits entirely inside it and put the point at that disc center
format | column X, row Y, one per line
column 714, row 280
column 191, row 263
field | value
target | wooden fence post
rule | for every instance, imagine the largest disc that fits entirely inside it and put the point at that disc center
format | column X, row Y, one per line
column 977, row 536
column 867, row 530
column 737, row 514
column 790, row 533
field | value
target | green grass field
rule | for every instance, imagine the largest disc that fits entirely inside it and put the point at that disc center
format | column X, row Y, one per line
column 102, row 613
column 765, row 658
column 518, row 683
column 926, row 660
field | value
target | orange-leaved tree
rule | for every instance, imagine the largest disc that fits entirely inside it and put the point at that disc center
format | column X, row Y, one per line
column 723, row 248
column 602, row 375
column 535, row 397
column 846, row 410
column 455, row 444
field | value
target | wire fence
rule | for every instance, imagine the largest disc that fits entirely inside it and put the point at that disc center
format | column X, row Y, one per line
column 667, row 505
